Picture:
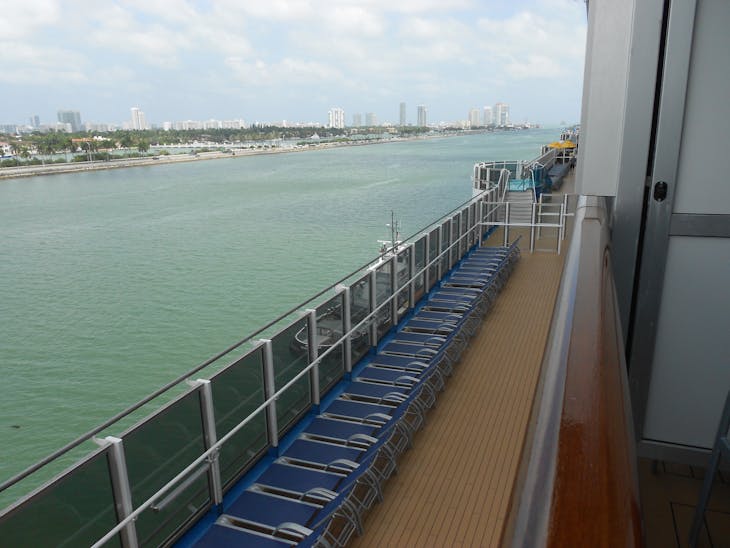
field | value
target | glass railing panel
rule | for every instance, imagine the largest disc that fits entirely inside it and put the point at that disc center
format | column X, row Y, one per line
column 359, row 309
column 473, row 212
column 445, row 243
column 433, row 251
column 383, row 291
column 237, row 391
column 75, row 509
column 403, row 276
column 419, row 249
column 158, row 449
column 290, row 359
column 330, row 328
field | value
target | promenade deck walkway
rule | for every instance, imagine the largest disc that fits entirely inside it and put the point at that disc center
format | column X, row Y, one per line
column 454, row 487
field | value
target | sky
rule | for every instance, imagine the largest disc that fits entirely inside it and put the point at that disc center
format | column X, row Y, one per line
column 274, row 60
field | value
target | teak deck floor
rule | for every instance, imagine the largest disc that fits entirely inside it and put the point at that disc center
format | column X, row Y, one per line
column 453, row 487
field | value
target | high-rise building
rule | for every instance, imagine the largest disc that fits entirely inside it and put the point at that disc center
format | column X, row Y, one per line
column 371, row 119
column 402, row 114
column 474, row 117
column 336, row 117
column 488, row 116
column 35, row 121
column 422, row 116
column 357, row 120
column 72, row 117
column 501, row 114
column 138, row 119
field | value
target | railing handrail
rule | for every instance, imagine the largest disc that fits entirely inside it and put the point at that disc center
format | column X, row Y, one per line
column 578, row 477
column 182, row 378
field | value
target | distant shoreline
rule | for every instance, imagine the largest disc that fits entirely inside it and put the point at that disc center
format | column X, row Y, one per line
column 96, row 165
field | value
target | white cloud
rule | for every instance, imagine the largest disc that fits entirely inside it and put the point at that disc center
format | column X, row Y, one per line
column 283, row 73
column 19, row 19
column 347, row 50
column 29, row 64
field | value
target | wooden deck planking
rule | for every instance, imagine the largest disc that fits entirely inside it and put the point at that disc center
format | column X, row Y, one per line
column 453, row 488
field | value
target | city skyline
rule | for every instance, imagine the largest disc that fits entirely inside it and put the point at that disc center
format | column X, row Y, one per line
column 269, row 61
column 70, row 121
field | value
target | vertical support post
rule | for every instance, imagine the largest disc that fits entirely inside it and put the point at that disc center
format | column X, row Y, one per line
column 412, row 267
column 562, row 226
column 313, row 347
column 454, row 246
column 269, row 390
column 469, row 230
column 347, row 327
column 480, row 228
column 539, row 219
column 394, row 294
column 490, row 215
column 532, row 227
column 122, row 492
column 439, row 252
column 211, row 437
column 448, row 244
column 565, row 212
column 373, row 306
column 427, row 261
column 506, row 224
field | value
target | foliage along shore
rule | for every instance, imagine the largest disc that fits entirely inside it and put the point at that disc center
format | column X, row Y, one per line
column 120, row 157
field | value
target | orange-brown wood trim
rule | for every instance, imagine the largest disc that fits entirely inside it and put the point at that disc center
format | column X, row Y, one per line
column 595, row 499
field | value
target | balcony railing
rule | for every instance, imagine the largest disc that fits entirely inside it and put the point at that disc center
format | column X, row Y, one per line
column 578, row 481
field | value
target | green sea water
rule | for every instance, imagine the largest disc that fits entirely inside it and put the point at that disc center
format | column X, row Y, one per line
column 114, row 282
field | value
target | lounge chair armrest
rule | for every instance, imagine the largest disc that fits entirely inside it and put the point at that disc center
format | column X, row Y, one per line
column 382, row 416
column 407, row 378
column 426, row 352
column 397, row 397
column 294, row 528
column 327, row 494
column 344, row 463
column 362, row 438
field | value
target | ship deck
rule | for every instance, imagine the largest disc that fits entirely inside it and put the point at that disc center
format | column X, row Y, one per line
column 454, row 487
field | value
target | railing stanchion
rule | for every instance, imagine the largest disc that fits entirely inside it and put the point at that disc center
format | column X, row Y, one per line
column 269, row 391
column 347, row 327
column 561, row 228
column 427, row 262
column 539, row 219
column 565, row 212
column 480, row 230
column 373, row 305
column 412, row 267
column 313, row 347
column 532, row 227
column 440, row 252
column 122, row 492
column 211, row 437
column 506, row 224
column 394, row 289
